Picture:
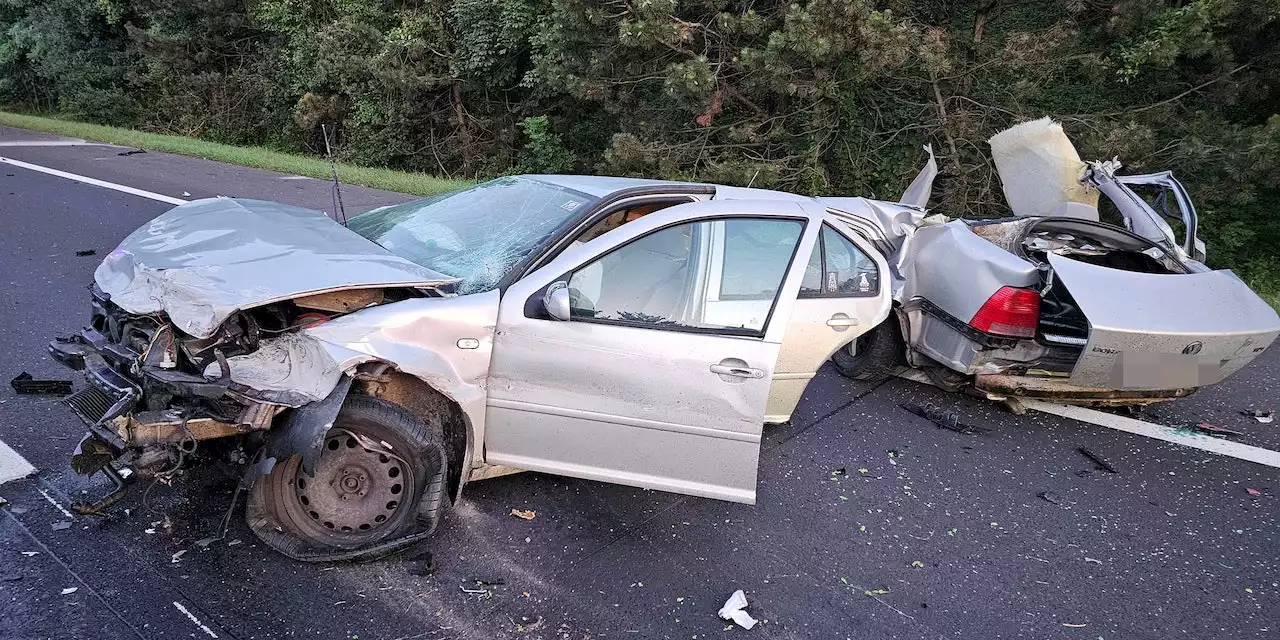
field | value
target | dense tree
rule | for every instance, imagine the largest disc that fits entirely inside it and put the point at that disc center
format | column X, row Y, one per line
column 817, row 96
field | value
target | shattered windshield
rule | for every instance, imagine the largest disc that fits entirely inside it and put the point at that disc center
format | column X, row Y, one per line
column 477, row 234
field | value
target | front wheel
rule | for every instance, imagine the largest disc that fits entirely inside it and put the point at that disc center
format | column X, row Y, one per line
column 380, row 477
column 874, row 355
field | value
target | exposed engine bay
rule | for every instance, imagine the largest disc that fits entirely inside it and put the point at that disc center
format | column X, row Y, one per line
column 157, row 393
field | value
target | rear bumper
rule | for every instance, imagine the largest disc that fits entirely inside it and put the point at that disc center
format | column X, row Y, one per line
column 1001, row 386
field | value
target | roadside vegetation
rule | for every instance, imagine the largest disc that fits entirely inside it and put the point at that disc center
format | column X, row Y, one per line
column 815, row 96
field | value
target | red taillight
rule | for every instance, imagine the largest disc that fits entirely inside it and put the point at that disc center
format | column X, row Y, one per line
column 1009, row 312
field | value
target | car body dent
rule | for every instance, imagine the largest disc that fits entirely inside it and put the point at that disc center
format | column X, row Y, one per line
column 202, row 261
column 421, row 337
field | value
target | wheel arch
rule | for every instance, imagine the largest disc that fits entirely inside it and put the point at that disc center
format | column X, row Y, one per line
column 384, row 381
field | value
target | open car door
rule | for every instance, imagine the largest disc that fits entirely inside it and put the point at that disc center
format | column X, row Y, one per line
column 644, row 357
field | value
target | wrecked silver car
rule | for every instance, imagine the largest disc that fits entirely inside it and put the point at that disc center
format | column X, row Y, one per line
column 612, row 329
column 604, row 328
column 1056, row 302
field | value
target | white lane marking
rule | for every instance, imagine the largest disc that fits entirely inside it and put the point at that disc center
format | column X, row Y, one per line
column 1211, row 444
column 93, row 181
column 51, row 143
column 55, row 503
column 195, row 620
column 12, row 465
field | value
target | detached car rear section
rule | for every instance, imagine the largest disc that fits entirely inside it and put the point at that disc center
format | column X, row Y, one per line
column 1057, row 304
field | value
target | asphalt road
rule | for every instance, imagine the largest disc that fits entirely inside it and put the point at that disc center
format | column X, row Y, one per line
column 871, row 522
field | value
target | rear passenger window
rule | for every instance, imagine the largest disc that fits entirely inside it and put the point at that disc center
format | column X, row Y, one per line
column 838, row 268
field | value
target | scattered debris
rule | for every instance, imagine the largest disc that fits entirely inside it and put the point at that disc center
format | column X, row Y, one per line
column 30, row 553
column 488, row 582
column 423, row 565
column 149, row 530
column 234, row 542
column 131, row 152
column 1214, row 429
column 943, row 418
column 205, row 542
column 1093, row 560
column 1098, row 460
column 882, row 591
column 70, row 590
column 1265, row 416
column 838, row 472
column 177, row 556
column 733, row 609
column 1050, row 497
column 916, row 564
column 524, row 515
column 27, row 385
column 85, row 253
column 61, row 525
column 1253, row 492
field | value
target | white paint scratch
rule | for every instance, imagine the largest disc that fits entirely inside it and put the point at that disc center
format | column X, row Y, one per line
column 55, row 503
column 194, row 619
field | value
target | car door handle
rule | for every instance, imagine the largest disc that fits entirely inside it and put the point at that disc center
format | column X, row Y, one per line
column 739, row 372
column 841, row 321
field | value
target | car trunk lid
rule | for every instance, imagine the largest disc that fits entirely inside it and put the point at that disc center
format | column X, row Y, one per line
column 202, row 261
column 1160, row 331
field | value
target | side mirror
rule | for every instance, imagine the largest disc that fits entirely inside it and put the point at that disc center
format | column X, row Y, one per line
column 556, row 300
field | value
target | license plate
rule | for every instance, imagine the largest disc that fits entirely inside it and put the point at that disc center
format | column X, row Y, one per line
column 1146, row 370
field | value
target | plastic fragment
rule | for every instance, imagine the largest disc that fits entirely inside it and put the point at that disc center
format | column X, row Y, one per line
column 876, row 592
column 25, row 384
column 61, row 524
column 1098, row 460
column 733, row 609
column 177, row 556
column 1253, row 492
column 1050, row 497
column 1265, row 416
column 524, row 515
column 1215, row 429
column 70, row 590
column 1072, row 625
column 917, row 564
column 205, row 542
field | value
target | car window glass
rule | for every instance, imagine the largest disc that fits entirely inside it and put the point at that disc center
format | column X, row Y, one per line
column 838, row 267
column 478, row 234
column 664, row 279
column 848, row 269
column 812, row 282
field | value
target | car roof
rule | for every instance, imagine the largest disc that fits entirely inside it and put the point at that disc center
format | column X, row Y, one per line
column 602, row 186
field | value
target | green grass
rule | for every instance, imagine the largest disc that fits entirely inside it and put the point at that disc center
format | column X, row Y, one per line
column 257, row 157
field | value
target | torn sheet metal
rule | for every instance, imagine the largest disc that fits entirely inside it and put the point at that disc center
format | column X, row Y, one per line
column 446, row 342
column 202, row 261
column 930, row 267
column 1040, row 170
column 918, row 192
column 292, row 368
column 1164, row 330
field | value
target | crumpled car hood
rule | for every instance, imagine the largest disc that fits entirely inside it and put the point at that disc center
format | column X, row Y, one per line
column 202, row 261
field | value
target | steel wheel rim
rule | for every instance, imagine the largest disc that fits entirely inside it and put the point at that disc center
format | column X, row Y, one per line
column 357, row 494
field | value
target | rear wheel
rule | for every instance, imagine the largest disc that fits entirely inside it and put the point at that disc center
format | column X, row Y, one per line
column 380, row 476
column 874, row 356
